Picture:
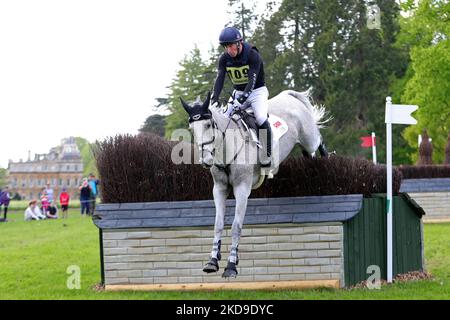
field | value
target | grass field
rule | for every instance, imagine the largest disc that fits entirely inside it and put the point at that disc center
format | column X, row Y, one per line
column 34, row 257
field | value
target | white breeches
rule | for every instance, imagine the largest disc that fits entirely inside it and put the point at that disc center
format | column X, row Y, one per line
column 258, row 100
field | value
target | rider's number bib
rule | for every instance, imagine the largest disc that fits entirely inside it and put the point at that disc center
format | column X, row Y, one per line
column 238, row 75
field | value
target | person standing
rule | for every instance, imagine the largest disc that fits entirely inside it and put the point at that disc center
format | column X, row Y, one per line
column 93, row 183
column 64, row 199
column 50, row 193
column 5, row 198
column 44, row 202
column 85, row 196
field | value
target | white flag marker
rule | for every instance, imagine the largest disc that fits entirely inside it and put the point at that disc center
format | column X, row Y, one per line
column 401, row 114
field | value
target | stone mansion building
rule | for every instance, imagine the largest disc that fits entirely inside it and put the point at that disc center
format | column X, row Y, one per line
column 61, row 167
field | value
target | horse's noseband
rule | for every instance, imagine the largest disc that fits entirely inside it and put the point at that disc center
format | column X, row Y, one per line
column 202, row 145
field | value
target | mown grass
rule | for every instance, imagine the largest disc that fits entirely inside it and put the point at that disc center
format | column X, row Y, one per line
column 34, row 257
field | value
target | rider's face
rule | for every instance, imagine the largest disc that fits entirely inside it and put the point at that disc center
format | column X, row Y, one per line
column 232, row 49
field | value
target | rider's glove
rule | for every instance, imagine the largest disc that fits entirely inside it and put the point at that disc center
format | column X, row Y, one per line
column 237, row 104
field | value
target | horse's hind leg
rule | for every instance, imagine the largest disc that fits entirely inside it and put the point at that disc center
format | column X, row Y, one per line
column 323, row 150
column 241, row 193
column 220, row 193
column 306, row 154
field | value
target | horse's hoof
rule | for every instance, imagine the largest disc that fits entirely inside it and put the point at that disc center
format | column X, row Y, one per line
column 211, row 266
column 230, row 270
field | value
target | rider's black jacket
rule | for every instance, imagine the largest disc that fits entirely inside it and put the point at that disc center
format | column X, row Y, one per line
column 246, row 72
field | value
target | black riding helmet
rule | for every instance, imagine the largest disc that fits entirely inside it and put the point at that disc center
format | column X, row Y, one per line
column 229, row 35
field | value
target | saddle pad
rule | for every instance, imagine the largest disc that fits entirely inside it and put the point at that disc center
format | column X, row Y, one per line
column 279, row 127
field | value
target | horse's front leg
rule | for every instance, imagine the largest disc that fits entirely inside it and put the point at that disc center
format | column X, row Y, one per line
column 241, row 193
column 220, row 193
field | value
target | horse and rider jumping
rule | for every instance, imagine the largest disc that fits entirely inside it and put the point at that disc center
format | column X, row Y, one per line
column 210, row 122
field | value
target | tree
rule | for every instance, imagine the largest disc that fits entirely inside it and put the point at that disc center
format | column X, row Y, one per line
column 243, row 16
column 194, row 78
column 3, row 180
column 87, row 157
column 327, row 45
column 426, row 34
column 154, row 124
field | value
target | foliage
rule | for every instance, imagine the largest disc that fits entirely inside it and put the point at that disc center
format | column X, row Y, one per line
column 425, row 34
column 327, row 45
column 3, row 180
column 243, row 16
column 154, row 124
column 86, row 155
column 194, row 78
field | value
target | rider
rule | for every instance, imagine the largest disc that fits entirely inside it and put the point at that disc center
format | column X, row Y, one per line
column 245, row 68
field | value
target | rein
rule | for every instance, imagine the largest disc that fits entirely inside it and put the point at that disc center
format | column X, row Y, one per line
column 226, row 165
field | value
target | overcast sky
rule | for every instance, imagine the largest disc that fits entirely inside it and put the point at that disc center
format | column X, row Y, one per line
column 91, row 68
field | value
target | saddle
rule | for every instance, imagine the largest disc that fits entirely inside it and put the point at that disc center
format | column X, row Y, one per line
column 245, row 118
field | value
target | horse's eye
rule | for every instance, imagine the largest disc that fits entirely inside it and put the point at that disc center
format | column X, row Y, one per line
column 208, row 126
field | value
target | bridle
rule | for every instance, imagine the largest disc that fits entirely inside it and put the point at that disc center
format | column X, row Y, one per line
column 202, row 145
column 215, row 128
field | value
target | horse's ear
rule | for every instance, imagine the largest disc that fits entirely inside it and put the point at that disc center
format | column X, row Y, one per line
column 208, row 100
column 185, row 106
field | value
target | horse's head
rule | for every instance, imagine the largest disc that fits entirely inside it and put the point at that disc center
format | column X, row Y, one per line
column 202, row 125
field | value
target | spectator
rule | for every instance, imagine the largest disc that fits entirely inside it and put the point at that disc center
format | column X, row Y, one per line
column 93, row 183
column 64, row 199
column 44, row 202
column 52, row 212
column 33, row 212
column 50, row 193
column 85, row 196
column 5, row 198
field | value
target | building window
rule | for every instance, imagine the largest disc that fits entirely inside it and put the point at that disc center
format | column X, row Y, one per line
column 68, row 167
column 60, row 182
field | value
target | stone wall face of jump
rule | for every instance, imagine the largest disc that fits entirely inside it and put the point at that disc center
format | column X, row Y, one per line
column 286, row 243
column 433, row 195
column 292, row 242
column 282, row 252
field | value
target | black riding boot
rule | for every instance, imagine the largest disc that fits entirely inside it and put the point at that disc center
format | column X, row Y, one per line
column 267, row 144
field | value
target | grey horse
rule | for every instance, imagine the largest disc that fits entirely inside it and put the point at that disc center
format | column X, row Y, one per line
column 220, row 151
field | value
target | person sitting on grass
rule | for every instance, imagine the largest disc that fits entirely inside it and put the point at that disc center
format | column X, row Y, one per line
column 33, row 212
column 52, row 212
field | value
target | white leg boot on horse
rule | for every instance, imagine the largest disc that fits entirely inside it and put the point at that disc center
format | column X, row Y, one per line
column 220, row 192
column 241, row 193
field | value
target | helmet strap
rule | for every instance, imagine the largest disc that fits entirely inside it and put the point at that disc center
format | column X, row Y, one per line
column 238, row 45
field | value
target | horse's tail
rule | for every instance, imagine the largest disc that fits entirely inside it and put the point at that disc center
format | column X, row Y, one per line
column 319, row 113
